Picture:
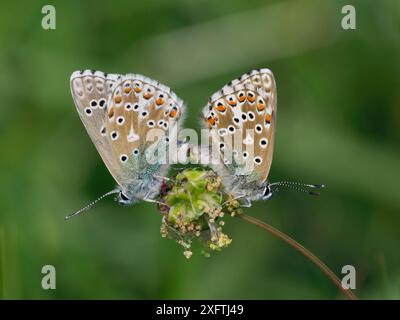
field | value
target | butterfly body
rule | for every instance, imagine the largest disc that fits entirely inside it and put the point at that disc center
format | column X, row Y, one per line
column 129, row 119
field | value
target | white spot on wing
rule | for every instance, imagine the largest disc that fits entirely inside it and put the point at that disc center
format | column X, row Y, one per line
column 248, row 140
column 132, row 136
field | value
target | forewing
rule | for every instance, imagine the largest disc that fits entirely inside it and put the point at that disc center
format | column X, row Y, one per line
column 91, row 91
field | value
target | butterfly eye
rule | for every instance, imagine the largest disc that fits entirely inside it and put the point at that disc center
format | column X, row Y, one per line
column 124, row 199
column 128, row 107
column 245, row 155
column 103, row 131
column 258, row 128
column 244, row 117
column 144, row 114
column 135, row 152
column 267, row 193
column 136, row 107
column 150, row 124
column 160, row 123
column 222, row 146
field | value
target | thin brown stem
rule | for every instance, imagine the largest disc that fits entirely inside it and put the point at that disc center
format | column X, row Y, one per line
column 314, row 259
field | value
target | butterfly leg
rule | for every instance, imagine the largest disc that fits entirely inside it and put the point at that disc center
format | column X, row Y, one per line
column 147, row 199
column 154, row 201
column 162, row 178
column 246, row 202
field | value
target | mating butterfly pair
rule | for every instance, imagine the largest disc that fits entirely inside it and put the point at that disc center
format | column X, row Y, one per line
column 119, row 111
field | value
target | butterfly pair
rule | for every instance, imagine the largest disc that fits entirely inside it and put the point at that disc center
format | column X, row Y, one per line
column 119, row 111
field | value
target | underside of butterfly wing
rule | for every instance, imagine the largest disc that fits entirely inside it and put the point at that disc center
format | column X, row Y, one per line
column 140, row 115
column 241, row 118
column 91, row 91
column 128, row 118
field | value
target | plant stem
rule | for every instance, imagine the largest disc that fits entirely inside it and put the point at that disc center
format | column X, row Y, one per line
column 314, row 259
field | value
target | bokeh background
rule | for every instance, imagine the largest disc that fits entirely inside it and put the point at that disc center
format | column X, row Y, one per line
column 338, row 123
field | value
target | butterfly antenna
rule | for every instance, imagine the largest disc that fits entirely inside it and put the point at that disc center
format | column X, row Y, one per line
column 299, row 186
column 91, row 204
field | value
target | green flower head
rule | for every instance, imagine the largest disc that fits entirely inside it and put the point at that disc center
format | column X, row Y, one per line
column 194, row 209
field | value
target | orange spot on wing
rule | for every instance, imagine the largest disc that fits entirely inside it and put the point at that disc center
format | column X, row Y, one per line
column 173, row 113
column 127, row 90
column 221, row 108
column 211, row 121
column 232, row 103
column 111, row 112
column 268, row 118
column 138, row 89
column 260, row 106
column 242, row 98
column 159, row 101
column 118, row 99
column 251, row 98
column 147, row 96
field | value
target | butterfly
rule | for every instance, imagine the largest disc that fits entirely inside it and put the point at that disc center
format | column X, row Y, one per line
column 241, row 119
column 119, row 113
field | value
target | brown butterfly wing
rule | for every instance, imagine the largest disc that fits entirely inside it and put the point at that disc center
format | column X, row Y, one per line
column 245, row 111
column 141, row 112
column 91, row 91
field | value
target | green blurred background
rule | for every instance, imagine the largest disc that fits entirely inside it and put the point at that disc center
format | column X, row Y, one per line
column 338, row 123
